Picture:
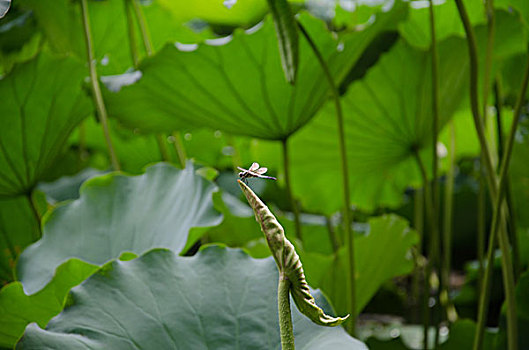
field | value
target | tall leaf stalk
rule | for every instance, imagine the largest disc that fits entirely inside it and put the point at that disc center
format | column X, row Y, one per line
column 496, row 192
column 149, row 50
column 291, row 199
column 94, row 83
column 345, row 174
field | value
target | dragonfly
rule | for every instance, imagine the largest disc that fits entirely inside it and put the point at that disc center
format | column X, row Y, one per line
column 254, row 171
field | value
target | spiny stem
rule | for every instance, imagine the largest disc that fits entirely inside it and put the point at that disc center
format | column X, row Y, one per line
column 293, row 204
column 332, row 234
column 285, row 316
column 96, row 89
column 418, row 223
column 489, row 9
column 481, row 205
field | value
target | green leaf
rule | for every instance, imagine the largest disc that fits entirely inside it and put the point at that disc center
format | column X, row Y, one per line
column 416, row 29
column 387, row 115
column 375, row 263
column 42, row 102
column 239, row 87
column 18, row 228
column 287, row 261
column 165, row 207
column 287, row 37
column 220, row 299
column 62, row 24
column 17, row 309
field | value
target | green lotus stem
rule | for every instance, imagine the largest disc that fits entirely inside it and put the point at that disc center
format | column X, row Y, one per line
column 418, row 222
column 36, row 215
column 345, row 175
column 286, row 329
column 481, row 205
column 291, row 199
column 291, row 275
column 496, row 221
column 434, row 254
column 508, row 198
column 428, row 205
column 160, row 140
column 147, row 43
column 94, row 82
column 132, row 35
column 146, row 37
column 332, row 234
column 447, row 224
column 180, row 149
column 489, row 9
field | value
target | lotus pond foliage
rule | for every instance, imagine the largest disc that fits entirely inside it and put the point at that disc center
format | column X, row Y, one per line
column 396, row 137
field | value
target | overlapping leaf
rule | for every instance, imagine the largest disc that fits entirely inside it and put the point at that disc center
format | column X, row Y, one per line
column 239, row 87
column 220, row 298
column 18, row 228
column 62, row 25
column 388, row 115
column 380, row 255
column 42, row 102
column 117, row 214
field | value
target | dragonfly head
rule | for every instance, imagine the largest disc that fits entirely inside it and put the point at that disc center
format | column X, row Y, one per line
column 241, row 174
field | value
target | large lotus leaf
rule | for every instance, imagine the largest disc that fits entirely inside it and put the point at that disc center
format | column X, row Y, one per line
column 42, row 102
column 387, row 115
column 416, row 28
column 220, row 299
column 239, row 87
column 380, row 255
column 62, row 24
column 18, row 228
column 521, row 6
column 165, row 207
column 17, row 309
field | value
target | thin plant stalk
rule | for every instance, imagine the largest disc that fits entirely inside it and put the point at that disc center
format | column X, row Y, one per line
column 131, row 33
column 501, row 145
column 285, row 315
column 481, row 206
column 332, row 234
column 435, row 254
column 293, row 204
column 508, row 276
column 36, row 215
column 497, row 219
column 428, row 205
column 179, row 148
column 147, row 43
column 489, row 9
column 162, row 146
column 418, row 222
column 447, row 225
column 96, row 89
column 345, row 173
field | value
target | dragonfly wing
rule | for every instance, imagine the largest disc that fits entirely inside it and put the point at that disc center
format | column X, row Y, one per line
column 241, row 169
column 261, row 170
column 254, row 167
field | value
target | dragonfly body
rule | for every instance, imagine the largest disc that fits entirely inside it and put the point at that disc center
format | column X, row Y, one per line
column 254, row 171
